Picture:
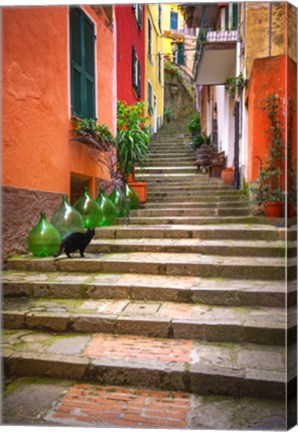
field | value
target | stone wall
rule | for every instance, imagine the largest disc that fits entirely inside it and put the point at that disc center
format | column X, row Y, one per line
column 20, row 212
column 259, row 42
column 176, row 97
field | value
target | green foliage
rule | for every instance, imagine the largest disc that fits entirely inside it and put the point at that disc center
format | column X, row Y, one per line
column 267, row 187
column 90, row 132
column 234, row 85
column 132, row 136
column 167, row 112
column 194, row 125
column 196, row 142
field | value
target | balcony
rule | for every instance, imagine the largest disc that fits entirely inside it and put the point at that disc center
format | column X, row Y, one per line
column 215, row 56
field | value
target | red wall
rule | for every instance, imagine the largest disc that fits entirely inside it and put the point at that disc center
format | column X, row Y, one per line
column 268, row 77
column 129, row 34
column 37, row 153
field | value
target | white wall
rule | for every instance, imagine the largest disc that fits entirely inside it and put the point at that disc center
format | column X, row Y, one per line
column 226, row 122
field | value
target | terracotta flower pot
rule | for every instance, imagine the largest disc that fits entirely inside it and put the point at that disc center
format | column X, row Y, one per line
column 141, row 190
column 228, row 177
column 273, row 209
column 291, row 211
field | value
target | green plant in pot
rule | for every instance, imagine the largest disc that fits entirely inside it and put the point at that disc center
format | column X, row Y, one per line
column 93, row 134
column 268, row 189
column 194, row 125
column 132, row 137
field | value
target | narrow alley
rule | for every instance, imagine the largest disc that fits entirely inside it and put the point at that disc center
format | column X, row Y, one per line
column 176, row 320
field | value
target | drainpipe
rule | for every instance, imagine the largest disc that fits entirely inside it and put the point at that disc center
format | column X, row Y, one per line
column 237, row 110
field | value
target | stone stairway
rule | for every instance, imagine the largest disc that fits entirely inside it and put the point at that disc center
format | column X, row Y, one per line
column 189, row 297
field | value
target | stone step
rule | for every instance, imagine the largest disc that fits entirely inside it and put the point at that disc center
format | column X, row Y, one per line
column 198, row 220
column 166, row 155
column 192, row 205
column 165, row 169
column 156, row 163
column 223, row 192
column 54, row 402
column 229, row 324
column 177, row 365
column 216, row 188
column 187, row 289
column 239, row 211
column 205, row 247
column 172, row 264
column 203, row 232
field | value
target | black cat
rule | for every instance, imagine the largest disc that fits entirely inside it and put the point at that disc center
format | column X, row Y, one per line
column 75, row 241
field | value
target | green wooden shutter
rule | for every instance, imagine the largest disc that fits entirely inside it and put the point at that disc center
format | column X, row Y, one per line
column 149, row 98
column 227, row 19
column 140, row 15
column 235, row 16
column 133, row 68
column 139, row 79
column 82, row 39
column 180, row 46
column 149, row 37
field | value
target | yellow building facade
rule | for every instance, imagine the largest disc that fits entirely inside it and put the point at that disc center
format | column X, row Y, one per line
column 154, row 65
column 173, row 28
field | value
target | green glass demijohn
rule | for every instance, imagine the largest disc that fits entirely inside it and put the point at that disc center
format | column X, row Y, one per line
column 133, row 197
column 67, row 219
column 118, row 200
column 43, row 240
column 107, row 208
column 89, row 210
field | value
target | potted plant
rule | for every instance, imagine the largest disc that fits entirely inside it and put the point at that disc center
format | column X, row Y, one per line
column 267, row 191
column 132, row 143
column 93, row 134
column 194, row 125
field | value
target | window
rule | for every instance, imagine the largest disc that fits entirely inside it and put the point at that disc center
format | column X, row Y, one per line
column 138, row 13
column 150, row 109
column 174, row 20
column 82, row 47
column 149, row 39
column 159, row 66
column 159, row 18
column 136, row 72
column 227, row 17
column 235, row 16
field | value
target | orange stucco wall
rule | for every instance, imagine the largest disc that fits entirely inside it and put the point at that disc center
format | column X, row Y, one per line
column 37, row 153
column 268, row 77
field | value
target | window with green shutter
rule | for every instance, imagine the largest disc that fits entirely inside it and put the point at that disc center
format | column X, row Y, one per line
column 136, row 72
column 137, row 9
column 227, row 17
column 82, row 67
column 149, row 39
column 159, row 66
column 150, row 109
column 235, row 16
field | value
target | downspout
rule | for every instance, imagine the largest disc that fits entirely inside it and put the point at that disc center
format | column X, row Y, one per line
column 237, row 111
column 270, row 29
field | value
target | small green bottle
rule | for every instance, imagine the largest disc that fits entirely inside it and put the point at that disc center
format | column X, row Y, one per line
column 118, row 200
column 107, row 208
column 89, row 210
column 67, row 219
column 43, row 240
column 133, row 197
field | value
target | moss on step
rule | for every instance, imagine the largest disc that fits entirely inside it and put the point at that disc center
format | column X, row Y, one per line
column 18, row 383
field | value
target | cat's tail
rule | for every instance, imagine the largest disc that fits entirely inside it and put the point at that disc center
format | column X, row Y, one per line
column 60, row 250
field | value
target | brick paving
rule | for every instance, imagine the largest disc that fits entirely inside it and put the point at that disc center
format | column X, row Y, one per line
column 116, row 406
column 138, row 347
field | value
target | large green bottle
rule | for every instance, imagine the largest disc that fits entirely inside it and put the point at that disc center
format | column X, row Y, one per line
column 107, row 208
column 118, row 200
column 67, row 219
column 89, row 210
column 132, row 196
column 43, row 240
